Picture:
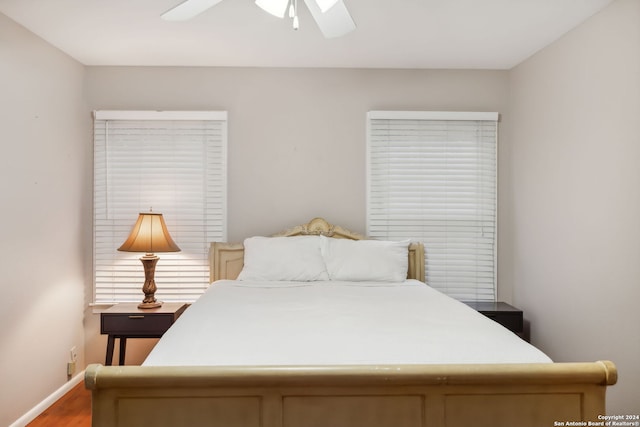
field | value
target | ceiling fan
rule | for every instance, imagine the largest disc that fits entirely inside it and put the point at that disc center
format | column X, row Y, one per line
column 331, row 16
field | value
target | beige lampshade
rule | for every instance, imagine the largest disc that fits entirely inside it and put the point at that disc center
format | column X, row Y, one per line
column 149, row 235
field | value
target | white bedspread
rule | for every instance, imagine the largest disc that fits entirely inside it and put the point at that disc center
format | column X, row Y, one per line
column 334, row 323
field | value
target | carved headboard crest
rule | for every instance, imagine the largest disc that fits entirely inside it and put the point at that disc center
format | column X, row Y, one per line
column 319, row 226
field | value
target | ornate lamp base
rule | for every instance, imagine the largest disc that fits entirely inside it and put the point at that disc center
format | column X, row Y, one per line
column 149, row 288
column 145, row 305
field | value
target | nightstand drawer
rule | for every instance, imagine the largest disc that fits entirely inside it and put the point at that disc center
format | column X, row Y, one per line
column 130, row 324
column 128, row 319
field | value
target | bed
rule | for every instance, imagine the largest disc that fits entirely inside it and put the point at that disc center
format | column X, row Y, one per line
column 339, row 343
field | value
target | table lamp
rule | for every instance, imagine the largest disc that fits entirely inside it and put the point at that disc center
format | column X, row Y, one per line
column 149, row 235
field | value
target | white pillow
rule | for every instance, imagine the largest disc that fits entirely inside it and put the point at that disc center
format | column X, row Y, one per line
column 283, row 258
column 366, row 260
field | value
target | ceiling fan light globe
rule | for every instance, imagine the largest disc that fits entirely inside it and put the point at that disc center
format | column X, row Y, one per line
column 274, row 7
column 325, row 5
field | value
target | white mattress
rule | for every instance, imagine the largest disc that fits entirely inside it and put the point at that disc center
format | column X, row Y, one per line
column 334, row 323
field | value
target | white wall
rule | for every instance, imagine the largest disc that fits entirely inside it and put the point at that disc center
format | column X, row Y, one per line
column 296, row 136
column 43, row 221
column 574, row 196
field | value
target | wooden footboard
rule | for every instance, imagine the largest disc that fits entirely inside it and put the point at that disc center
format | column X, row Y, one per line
column 534, row 395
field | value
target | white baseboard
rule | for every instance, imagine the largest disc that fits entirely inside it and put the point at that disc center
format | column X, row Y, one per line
column 50, row 400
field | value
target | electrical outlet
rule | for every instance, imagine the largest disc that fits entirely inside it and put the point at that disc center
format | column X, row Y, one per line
column 73, row 358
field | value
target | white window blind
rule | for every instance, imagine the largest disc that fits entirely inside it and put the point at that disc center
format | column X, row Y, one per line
column 175, row 164
column 432, row 177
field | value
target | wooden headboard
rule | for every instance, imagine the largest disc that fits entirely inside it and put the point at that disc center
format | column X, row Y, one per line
column 226, row 259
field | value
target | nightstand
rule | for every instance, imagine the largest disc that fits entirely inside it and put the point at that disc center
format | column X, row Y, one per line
column 128, row 321
column 507, row 315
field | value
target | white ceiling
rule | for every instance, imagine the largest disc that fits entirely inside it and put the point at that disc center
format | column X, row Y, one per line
column 485, row 34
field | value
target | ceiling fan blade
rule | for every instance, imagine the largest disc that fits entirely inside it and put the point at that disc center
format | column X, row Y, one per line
column 326, row 4
column 188, row 9
column 335, row 22
column 274, row 7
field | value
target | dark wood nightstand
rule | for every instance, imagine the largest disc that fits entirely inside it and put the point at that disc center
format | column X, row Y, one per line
column 507, row 315
column 128, row 321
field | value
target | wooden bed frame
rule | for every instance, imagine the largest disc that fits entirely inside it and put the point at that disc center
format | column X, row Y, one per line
column 491, row 395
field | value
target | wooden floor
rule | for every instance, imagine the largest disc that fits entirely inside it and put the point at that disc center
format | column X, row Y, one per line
column 72, row 410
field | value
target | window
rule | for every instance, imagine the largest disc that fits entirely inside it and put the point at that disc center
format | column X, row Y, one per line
column 432, row 177
column 173, row 163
